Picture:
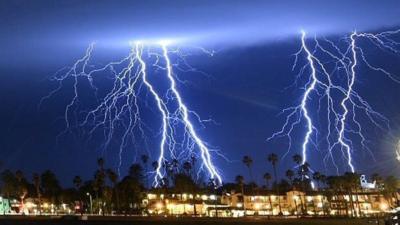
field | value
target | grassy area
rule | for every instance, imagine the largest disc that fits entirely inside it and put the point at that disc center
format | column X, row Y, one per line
column 182, row 221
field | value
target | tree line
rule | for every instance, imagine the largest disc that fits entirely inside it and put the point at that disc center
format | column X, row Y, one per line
column 303, row 179
column 107, row 192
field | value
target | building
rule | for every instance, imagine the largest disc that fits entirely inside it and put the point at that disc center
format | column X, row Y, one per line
column 292, row 203
column 199, row 204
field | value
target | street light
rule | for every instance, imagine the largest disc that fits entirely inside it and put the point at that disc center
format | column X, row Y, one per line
column 91, row 202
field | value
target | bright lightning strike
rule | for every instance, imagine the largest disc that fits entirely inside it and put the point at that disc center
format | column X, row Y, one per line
column 311, row 87
column 184, row 113
column 330, row 109
column 119, row 110
column 347, row 97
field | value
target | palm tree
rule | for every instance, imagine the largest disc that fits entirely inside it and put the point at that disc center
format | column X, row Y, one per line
column 154, row 165
column 77, row 181
column 169, row 171
column 391, row 186
column 99, row 181
column 136, row 172
column 100, row 163
column 114, row 180
column 378, row 182
column 290, row 175
column 336, row 185
column 240, row 181
column 36, row 182
column 273, row 159
column 351, row 181
column 317, row 177
column 145, row 160
column 267, row 177
column 21, row 185
column 174, row 165
column 248, row 162
column 98, row 186
column 297, row 159
column 50, row 186
column 9, row 182
column 323, row 179
column 187, row 167
column 303, row 171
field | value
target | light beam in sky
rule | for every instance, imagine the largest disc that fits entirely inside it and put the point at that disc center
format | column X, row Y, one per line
column 119, row 109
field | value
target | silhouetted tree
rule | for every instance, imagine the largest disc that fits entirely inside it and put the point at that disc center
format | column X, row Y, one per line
column 131, row 189
column 50, row 185
column 240, row 182
column 37, row 183
column 185, row 184
column 187, row 167
column 113, row 177
column 77, row 181
column 391, row 184
column 248, row 162
column 317, row 177
column 267, row 177
column 10, row 184
column 145, row 161
column 290, row 175
column 273, row 159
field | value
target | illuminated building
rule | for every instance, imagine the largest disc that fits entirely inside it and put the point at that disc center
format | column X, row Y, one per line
column 233, row 204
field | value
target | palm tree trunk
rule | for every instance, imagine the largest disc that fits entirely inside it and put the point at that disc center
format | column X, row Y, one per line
column 358, row 203
column 244, row 206
column 315, row 208
column 194, row 204
column 304, row 206
column 277, row 187
column 351, row 203
column 40, row 200
column 303, row 209
column 252, row 180
column 270, row 204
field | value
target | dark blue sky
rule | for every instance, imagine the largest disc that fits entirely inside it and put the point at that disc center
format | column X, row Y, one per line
column 255, row 42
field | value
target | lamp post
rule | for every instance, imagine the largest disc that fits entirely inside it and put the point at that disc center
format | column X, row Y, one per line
column 91, row 202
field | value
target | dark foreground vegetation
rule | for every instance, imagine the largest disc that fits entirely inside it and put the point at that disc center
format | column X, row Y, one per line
column 107, row 192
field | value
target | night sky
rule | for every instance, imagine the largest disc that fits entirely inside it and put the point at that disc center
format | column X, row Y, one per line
column 244, row 92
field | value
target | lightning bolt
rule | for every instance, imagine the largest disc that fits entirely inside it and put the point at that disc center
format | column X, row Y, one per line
column 306, row 96
column 332, row 78
column 118, row 111
column 162, row 109
column 184, row 112
column 347, row 97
